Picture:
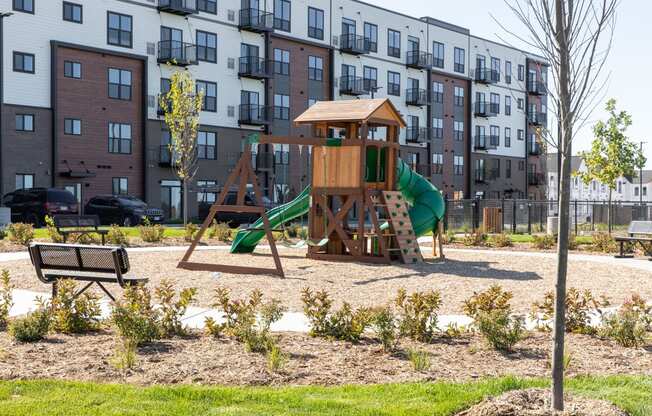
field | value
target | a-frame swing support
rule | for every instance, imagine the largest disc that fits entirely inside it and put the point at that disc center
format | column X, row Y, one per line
column 243, row 173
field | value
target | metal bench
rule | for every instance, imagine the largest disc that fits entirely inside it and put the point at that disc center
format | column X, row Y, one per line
column 92, row 264
column 79, row 225
column 638, row 232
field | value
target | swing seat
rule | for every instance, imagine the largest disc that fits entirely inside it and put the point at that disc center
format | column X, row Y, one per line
column 314, row 242
column 298, row 244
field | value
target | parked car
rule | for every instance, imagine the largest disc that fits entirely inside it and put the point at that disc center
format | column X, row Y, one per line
column 235, row 219
column 32, row 205
column 122, row 210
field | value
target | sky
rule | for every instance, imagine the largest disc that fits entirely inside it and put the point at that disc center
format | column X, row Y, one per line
column 629, row 65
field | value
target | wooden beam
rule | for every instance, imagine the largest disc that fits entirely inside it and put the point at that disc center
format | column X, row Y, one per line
column 226, row 268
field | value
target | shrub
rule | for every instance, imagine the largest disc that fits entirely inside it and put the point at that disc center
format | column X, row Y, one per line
column 124, row 356
column 21, row 233
column 3, row 233
column 572, row 242
column 116, row 236
column 220, row 230
column 51, row 229
column 346, row 324
column 34, row 326
column 151, row 233
column 6, row 298
column 604, row 243
column 172, row 311
column 418, row 314
column 500, row 329
column 543, row 241
column 502, row 240
column 384, row 325
column 579, row 306
column 453, row 330
column 74, row 315
column 135, row 317
column 629, row 325
column 492, row 299
column 448, row 238
column 303, row 233
column 420, row 360
column 190, row 231
column 474, row 239
column 293, row 230
column 276, row 359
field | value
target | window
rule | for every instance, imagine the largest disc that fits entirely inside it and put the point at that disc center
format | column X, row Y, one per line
column 24, row 122
column 458, row 165
column 204, row 195
column 459, row 96
column 508, row 105
column 206, row 46
column 520, row 134
column 119, row 30
column 437, row 128
column 495, row 69
column 494, row 103
column 72, row 12
column 508, row 168
column 521, row 72
column 119, row 186
column 636, row 191
column 459, row 60
column 72, row 126
column 437, row 163
column 370, row 37
column 26, row 6
column 209, row 103
column 119, row 84
column 24, row 62
column 520, row 103
column 281, row 62
column 72, row 69
column 438, row 54
column 458, row 130
column 315, row 68
column 393, row 43
column 438, row 92
column 206, row 147
column 508, row 72
column 282, row 15
column 645, row 191
column 119, row 138
column 315, row 23
column 369, row 78
column 494, row 135
column 24, row 181
column 281, row 107
column 208, row 6
column 393, row 83
column 479, row 170
column 508, row 137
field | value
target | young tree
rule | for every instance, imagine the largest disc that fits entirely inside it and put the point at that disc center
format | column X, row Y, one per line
column 612, row 154
column 575, row 38
column 182, row 105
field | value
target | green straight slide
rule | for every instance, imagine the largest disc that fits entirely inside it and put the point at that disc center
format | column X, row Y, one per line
column 426, row 211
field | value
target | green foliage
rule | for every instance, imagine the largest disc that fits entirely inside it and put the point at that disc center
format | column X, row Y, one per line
column 420, row 360
column 171, row 311
column 579, row 306
column 190, row 230
column 572, row 242
column 629, row 325
column 384, row 325
column 453, row 330
column 135, row 317
column 502, row 240
column 74, row 315
column 6, row 298
column 151, row 233
column 116, row 236
column 34, row 326
column 220, row 231
column 276, row 359
column 21, row 233
column 492, row 299
column 603, row 243
column 418, row 314
column 474, row 239
column 51, row 229
column 543, row 241
column 448, row 238
column 293, row 230
column 500, row 329
column 124, row 356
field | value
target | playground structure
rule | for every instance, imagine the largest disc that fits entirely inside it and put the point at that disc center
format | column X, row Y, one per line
column 356, row 176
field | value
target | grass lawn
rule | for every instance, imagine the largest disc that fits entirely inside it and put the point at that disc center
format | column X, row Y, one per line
column 170, row 231
column 22, row 398
column 527, row 238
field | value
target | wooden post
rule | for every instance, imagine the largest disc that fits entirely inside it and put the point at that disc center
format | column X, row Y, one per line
column 437, row 245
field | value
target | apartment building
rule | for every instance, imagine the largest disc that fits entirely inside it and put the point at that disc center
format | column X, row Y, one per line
column 80, row 87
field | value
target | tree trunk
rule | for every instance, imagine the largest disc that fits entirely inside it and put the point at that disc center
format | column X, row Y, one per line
column 185, row 202
column 609, row 212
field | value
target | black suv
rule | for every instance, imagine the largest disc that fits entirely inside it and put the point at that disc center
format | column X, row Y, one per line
column 32, row 205
column 234, row 219
column 122, row 210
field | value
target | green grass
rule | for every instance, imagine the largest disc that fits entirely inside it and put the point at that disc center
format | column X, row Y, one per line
column 22, row 398
column 130, row 231
column 526, row 238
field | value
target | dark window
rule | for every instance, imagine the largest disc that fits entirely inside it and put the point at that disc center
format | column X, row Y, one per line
column 72, row 12
column 72, row 126
column 24, row 122
column 315, row 23
column 26, row 6
column 459, row 60
column 119, row 29
column 437, row 128
column 393, row 43
column 508, row 137
column 437, row 163
column 120, row 186
column 508, row 105
column 371, row 37
column 208, row 6
column 282, row 10
column 369, row 78
column 281, row 62
column 209, row 102
column 458, row 130
column 119, row 84
column 206, row 46
column 24, row 62
column 521, row 165
column 508, row 168
column 495, row 69
column 459, row 96
column 494, row 103
column 393, row 83
column 521, row 72
column 119, row 138
column 72, row 69
column 494, row 135
column 458, row 165
column 508, row 72
column 315, row 68
column 437, row 92
column 281, row 107
column 206, row 145
column 24, row 180
column 438, row 54
column 520, row 134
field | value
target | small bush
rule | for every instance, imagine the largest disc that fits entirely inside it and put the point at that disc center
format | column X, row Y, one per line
column 3, row 233
column 213, row 328
column 34, row 326
column 492, row 299
column 579, row 306
column 572, row 242
column 151, row 233
column 51, row 229
column 190, row 231
column 453, row 330
column 500, row 329
column 220, row 231
column 383, row 323
column 21, row 233
column 448, row 238
column 303, row 233
column 276, row 359
column 6, row 298
column 74, row 315
column 135, row 317
column 82, row 238
column 420, row 360
column 293, row 230
column 124, row 356
column 418, row 314
column 543, row 241
column 502, row 240
column 604, row 243
column 172, row 311
column 474, row 239
column 116, row 236
column 629, row 325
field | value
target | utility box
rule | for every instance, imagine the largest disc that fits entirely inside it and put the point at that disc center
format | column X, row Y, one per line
column 552, row 225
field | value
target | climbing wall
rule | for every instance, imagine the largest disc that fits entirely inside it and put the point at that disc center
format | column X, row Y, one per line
column 401, row 227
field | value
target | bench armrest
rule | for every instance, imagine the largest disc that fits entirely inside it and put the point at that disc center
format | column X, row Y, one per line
column 35, row 257
column 118, row 272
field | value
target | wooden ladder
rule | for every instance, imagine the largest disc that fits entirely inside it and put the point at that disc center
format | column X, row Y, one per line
column 400, row 225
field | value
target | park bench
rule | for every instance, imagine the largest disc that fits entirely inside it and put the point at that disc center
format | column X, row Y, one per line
column 638, row 232
column 92, row 264
column 79, row 225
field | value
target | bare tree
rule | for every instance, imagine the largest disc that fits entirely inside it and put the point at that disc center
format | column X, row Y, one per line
column 575, row 37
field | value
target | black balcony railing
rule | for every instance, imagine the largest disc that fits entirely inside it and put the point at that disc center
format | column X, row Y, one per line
column 537, row 118
column 369, row 85
column 484, row 109
column 536, row 179
column 254, row 114
column 416, row 96
column 353, row 44
column 255, row 20
column 419, row 60
column 536, row 87
column 487, row 76
column 180, row 7
column 351, row 85
column 534, row 148
column 165, row 156
column 177, row 53
column 486, row 174
column 254, row 67
column 416, row 134
column 482, row 142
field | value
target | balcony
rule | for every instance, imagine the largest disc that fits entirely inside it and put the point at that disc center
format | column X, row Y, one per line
column 535, row 87
column 257, row 21
column 254, row 67
column 482, row 142
column 486, row 76
column 537, row 119
column 253, row 114
column 416, row 96
column 177, row 53
column 535, row 179
column 534, row 149
column 180, row 7
column 485, row 175
column 353, row 44
column 416, row 135
column 350, row 85
column 419, row 60
column 485, row 109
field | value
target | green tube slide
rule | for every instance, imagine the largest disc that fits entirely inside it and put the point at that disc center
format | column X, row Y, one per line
column 426, row 211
